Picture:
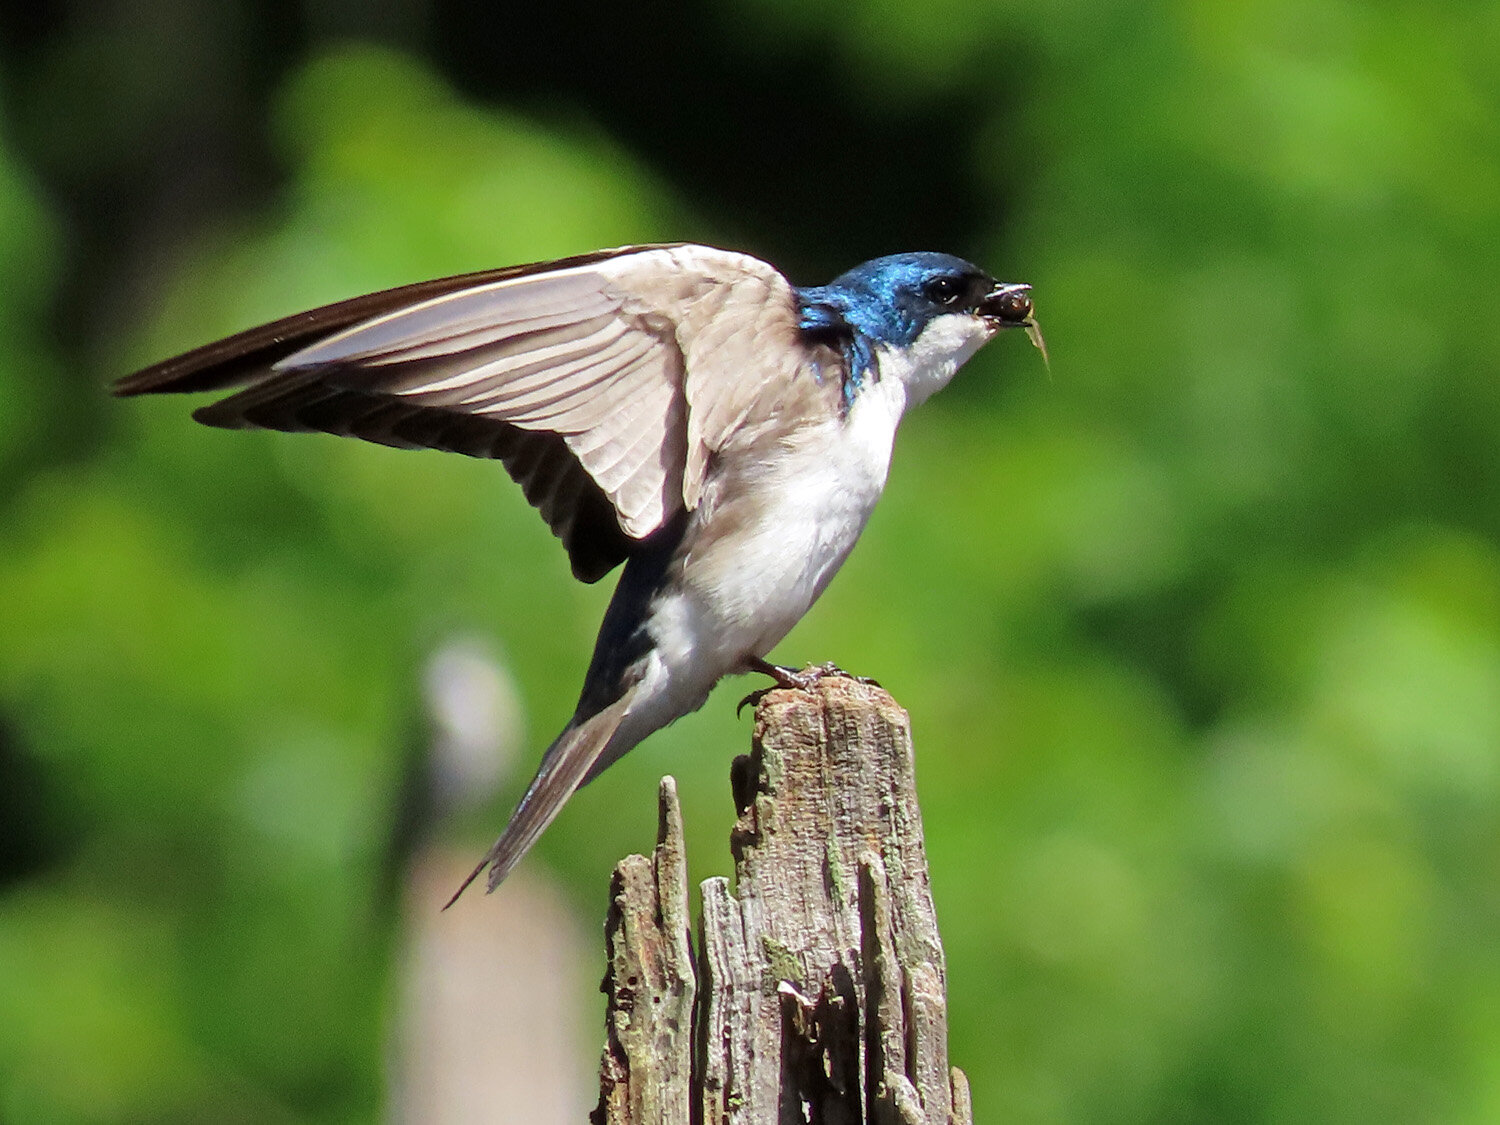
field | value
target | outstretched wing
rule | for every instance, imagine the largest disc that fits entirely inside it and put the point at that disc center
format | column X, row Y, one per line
column 603, row 383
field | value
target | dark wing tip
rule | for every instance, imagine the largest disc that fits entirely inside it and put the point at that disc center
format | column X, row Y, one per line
column 227, row 363
column 128, row 385
column 141, row 382
column 179, row 375
column 240, row 358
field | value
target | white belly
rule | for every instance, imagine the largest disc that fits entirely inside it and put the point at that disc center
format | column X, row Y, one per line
column 746, row 587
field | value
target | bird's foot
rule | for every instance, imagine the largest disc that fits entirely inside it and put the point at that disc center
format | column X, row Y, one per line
column 815, row 672
column 752, row 700
column 794, row 679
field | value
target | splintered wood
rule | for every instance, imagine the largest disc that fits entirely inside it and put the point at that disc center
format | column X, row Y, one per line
column 816, row 994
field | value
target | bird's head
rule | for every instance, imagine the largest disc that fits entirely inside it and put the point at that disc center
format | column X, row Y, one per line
column 916, row 316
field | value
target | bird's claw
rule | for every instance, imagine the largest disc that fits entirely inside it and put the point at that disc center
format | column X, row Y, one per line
column 752, row 700
column 794, row 679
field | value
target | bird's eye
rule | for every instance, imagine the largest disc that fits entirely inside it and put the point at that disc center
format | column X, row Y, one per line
column 944, row 290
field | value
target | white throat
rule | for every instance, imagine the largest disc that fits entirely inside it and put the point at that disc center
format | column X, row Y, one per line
column 935, row 356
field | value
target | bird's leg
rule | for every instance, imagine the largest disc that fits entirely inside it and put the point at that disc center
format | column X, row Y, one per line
column 785, row 677
column 792, row 678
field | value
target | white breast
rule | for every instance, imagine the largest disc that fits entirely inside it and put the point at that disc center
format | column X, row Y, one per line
column 744, row 589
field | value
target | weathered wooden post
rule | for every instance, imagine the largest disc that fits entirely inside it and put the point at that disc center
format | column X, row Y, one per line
column 817, row 991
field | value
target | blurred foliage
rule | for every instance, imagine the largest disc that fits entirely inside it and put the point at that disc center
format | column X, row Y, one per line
column 1201, row 637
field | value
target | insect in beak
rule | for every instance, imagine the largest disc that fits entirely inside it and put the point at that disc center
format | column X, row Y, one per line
column 1010, row 306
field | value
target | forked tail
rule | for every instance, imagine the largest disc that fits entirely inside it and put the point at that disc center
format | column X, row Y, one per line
column 564, row 766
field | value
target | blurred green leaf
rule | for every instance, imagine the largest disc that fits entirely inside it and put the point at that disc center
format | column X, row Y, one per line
column 1200, row 635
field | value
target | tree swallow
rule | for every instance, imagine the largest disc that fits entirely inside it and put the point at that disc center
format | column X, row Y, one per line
column 683, row 410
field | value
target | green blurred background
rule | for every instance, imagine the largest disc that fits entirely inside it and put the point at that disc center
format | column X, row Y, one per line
column 1200, row 637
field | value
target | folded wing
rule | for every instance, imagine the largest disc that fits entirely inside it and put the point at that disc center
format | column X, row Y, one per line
column 603, row 383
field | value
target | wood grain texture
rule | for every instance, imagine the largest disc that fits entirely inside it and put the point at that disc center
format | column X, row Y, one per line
column 821, row 991
column 647, row 1066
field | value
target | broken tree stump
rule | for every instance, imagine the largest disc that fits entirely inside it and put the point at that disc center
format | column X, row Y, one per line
column 816, row 992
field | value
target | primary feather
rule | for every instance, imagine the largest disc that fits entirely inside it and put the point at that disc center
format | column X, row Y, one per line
column 599, row 357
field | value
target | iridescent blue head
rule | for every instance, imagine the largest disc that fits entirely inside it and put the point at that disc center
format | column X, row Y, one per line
column 891, row 304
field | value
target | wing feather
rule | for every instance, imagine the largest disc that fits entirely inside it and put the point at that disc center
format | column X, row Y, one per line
column 567, row 392
column 480, row 381
column 603, row 383
column 463, row 319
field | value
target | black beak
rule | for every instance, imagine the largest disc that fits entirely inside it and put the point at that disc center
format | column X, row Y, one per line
column 1009, row 306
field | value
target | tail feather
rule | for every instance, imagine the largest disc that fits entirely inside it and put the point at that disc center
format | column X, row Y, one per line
column 564, row 766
